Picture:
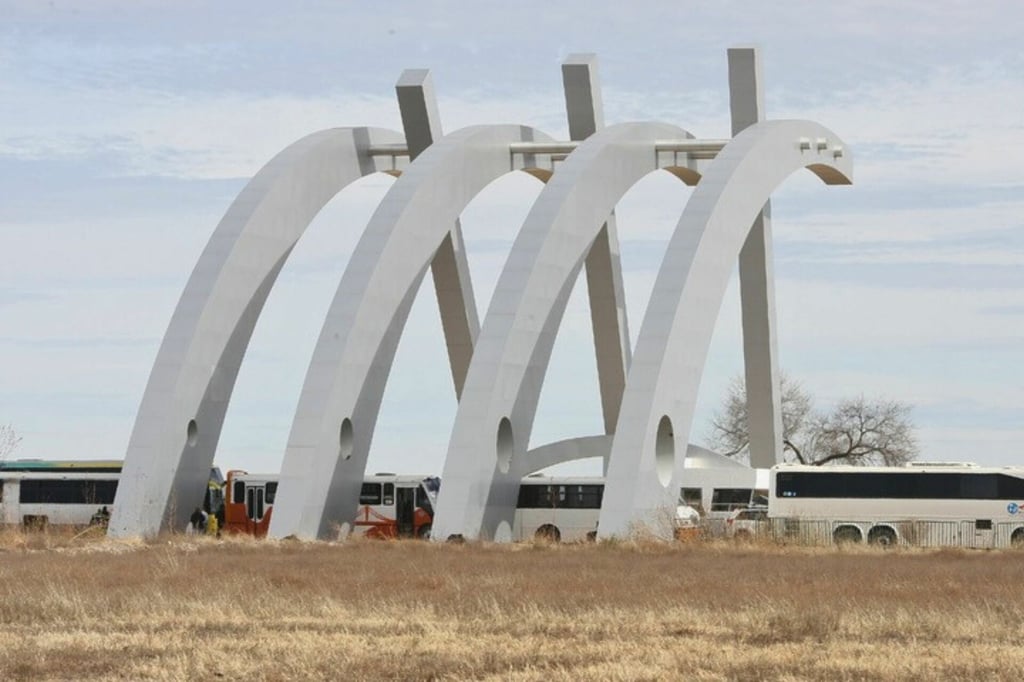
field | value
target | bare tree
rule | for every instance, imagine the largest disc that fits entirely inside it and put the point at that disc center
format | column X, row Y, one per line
column 856, row 431
column 729, row 433
column 9, row 440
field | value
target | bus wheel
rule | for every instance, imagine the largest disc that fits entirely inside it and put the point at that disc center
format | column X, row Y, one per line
column 548, row 533
column 883, row 536
column 846, row 535
column 424, row 532
column 1017, row 539
column 592, row 536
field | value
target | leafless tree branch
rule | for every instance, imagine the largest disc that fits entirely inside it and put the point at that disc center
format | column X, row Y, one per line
column 9, row 440
column 856, row 431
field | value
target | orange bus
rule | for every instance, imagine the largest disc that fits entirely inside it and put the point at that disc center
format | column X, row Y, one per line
column 390, row 505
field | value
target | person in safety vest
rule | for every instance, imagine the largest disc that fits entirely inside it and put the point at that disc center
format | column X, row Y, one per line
column 212, row 525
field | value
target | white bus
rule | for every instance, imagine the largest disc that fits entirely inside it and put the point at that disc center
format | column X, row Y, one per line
column 390, row 505
column 558, row 508
column 38, row 499
column 38, row 493
column 923, row 504
column 563, row 508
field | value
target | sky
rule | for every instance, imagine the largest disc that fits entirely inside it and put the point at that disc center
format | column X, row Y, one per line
column 127, row 128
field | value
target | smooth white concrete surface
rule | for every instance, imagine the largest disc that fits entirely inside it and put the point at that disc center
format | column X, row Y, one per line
column 519, row 329
column 757, row 281
column 175, row 436
column 497, row 368
column 421, row 122
column 603, row 266
column 673, row 342
column 322, row 472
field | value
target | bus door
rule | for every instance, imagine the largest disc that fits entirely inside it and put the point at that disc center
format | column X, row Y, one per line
column 979, row 533
column 254, row 506
column 405, row 511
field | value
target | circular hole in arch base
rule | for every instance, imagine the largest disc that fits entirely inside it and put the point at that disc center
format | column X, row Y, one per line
column 665, row 451
column 505, row 444
column 345, row 439
column 191, row 433
column 503, row 533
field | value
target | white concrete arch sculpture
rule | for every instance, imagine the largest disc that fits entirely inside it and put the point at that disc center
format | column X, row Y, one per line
column 494, row 422
column 497, row 369
column 330, row 439
column 661, row 390
column 182, row 411
column 486, row 455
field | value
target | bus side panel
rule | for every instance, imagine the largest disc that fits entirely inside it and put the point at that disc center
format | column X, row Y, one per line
column 373, row 521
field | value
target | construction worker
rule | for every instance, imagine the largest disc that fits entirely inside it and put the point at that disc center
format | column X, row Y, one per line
column 212, row 525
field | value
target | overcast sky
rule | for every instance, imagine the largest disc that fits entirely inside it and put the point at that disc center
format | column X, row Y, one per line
column 127, row 128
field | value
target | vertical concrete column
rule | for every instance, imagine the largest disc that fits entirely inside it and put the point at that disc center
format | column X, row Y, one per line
column 603, row 265
column 757, row 281
column 450, row 268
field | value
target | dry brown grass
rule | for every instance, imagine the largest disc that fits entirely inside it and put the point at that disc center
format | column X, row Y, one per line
column 75, row 608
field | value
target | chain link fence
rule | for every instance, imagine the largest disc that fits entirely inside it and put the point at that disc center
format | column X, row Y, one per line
column 906, row 533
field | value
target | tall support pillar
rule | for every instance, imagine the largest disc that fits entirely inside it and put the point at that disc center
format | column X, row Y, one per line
column 603, row 265
column 757, row 281
column 450, row 267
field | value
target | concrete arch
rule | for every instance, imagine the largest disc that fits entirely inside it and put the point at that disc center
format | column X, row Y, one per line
column 673, row 342
column 567, row 450
column 182, row 411
column 330, row 439
column 587, row 447
column 514, row 347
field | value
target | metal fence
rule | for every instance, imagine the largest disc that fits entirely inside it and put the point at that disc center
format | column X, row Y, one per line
column 907, row 533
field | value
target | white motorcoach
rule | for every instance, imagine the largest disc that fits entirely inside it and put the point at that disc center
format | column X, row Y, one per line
column 567, row 508
column 928, row 504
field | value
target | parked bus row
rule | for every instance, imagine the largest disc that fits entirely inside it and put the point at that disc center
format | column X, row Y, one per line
column 923, row 504
column 390, row 505
column 556, row 508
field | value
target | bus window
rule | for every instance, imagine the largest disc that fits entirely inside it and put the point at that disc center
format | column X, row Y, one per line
column 529, row 494
column 238, row 493
column 271, row 488
column 691, row 497
column 547, row 497
column 259, row 505
column 584, row 496
column 728, row 499
column 423, row 501
column 389, row 494
column 67, row 492
column 534, row 496
column 370, row 494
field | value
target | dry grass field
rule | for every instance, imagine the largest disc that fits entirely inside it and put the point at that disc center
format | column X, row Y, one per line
column 180, row 608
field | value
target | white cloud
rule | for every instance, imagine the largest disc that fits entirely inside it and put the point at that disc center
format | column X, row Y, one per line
column 834, row 315
column 902, row 226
